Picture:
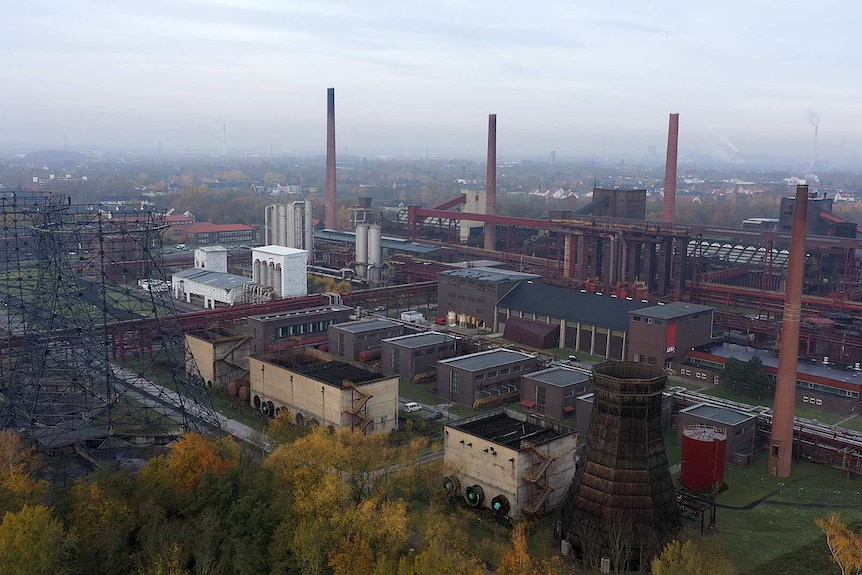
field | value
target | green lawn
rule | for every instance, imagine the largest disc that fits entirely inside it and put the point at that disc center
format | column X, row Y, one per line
column 779, row 535
column 854, row 423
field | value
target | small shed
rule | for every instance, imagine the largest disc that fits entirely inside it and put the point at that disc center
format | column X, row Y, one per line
column 532, row 333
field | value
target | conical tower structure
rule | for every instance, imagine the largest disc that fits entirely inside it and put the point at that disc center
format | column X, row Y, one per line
column 94, row 354
column 622, row 502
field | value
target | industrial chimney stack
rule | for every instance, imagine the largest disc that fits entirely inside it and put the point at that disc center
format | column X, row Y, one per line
column 670, row 169
column 491, row 183
column 331, row 199
column 781, row 440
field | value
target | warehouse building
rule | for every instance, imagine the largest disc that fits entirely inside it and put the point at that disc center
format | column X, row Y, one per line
column 661, row 335
column 553, row 391
column 467, row 296
column 416, row 355
column 587, row 322
column 295, row 327
column 740, row 428
column 320, row 390
column 349, row 339
column 512, row 463
column 483, row 378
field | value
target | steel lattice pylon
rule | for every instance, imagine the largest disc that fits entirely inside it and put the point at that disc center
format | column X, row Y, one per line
column 92, row 358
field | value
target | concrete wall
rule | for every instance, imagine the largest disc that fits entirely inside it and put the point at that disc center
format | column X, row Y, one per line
column 315, row 400
column 355, row 342
column 501, row 471
column 220, row 361
column 211, row 296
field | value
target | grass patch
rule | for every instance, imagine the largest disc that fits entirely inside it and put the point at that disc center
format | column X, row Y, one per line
column 854, row 423
column 690, row 385
column 772, row 536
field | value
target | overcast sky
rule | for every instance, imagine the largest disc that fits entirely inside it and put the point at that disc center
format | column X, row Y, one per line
column 580, row 77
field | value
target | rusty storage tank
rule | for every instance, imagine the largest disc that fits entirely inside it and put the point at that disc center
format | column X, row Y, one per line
column 704, row 448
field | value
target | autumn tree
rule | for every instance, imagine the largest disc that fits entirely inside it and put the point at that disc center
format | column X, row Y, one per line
column 517, row 560
column 678, row 558
column 104, row 526
column 844, row 544
column 32, row 542
column 191, row 458
column 19, row 465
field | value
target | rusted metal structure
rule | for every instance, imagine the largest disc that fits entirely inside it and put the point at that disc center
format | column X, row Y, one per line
column 491, row 184
column 622, row 502
column 331, row 198
column 670, row 169
column 781, row 439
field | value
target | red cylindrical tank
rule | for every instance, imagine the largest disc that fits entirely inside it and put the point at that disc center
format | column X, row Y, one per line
column 232, row 388
column 704, row 449
column 369, row 354
column 244, row 393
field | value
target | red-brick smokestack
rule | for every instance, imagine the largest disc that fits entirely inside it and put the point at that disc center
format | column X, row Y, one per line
column 781, row 440
column 331, row 199
column 670, row 168
column 491, row 183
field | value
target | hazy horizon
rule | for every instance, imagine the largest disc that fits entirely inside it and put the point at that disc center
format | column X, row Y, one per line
column 587, row 81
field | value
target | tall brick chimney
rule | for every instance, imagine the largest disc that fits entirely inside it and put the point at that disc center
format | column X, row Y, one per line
column 491, row 183
column 781, row 439
column 331, row 199
column 670, row 169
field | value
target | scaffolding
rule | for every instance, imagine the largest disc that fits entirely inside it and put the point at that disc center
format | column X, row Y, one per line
column 91, row 359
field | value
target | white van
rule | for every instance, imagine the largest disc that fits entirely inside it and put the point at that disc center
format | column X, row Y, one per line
column 412, row 406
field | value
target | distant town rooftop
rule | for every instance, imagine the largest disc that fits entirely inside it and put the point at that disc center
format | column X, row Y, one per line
column 503, row 429
column 486, row 359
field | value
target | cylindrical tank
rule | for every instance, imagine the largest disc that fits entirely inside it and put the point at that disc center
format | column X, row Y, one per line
column 243, row 393
column 369, row 354
column 232, row 389
column 375, row 245
column 361, row 249
column 704, row 449
column 308, row 230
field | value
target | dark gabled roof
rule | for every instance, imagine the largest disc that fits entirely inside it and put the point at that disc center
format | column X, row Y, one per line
column 673, row 310
column 572, row 305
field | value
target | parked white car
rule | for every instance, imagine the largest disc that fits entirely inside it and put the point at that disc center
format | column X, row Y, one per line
column 412, row 406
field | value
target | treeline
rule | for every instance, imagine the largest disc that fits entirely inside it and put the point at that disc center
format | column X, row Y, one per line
column 327, row 502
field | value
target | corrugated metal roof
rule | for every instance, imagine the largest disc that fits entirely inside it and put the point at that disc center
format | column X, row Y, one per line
column 486, row 359
column 572, row 305
column 211, row 278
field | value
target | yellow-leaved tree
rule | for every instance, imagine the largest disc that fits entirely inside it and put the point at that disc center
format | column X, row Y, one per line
column 32, row 542
column 193, row 457
column 844, row 544
column 678, row 558
column 517, row 560
column 19, row 465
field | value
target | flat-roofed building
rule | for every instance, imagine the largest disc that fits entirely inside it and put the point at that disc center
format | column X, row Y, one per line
column 295, row 327
column 416, row 354
column 321, row 390
column 350, row 339
column 221, row 354
column 483, row 378
column 209, row 289
column 662, row 334
column 740, row 428
column 467, row 296
column 553, row 391
column 513, row 463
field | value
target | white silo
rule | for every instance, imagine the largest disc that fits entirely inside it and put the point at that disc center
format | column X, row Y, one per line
column 361, row 249
column 375, row 245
